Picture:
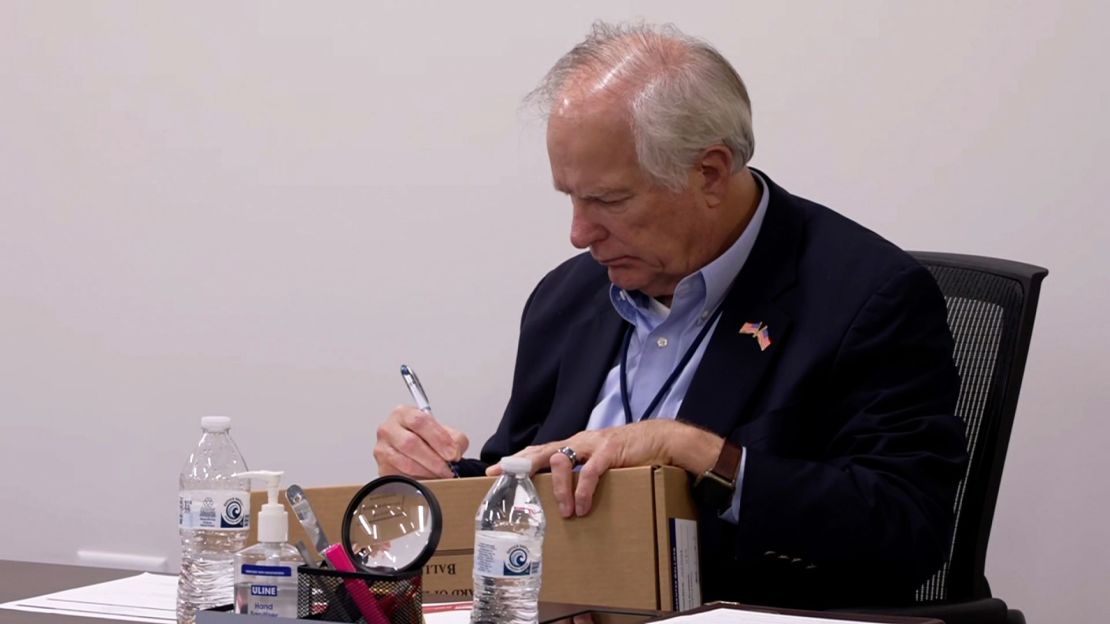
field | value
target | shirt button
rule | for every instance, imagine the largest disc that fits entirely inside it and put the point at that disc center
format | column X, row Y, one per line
column 704, row 314
column 662, row 342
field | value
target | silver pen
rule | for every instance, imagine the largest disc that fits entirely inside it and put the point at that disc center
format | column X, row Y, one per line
column 412, row 382
column 415, row 389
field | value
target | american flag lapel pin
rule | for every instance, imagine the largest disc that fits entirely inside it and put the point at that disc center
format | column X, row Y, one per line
column 760, row 332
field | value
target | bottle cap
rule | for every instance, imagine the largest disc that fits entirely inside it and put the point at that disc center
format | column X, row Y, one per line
column 516, row 465
column 215, row 424
column 273, row 520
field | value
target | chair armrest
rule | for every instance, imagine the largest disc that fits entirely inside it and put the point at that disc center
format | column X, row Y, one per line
column 982, row 611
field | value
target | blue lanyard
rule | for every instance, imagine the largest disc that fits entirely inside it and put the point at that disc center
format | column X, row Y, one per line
column 670, row 380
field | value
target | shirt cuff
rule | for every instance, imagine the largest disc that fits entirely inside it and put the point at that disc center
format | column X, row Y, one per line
column 732, row 514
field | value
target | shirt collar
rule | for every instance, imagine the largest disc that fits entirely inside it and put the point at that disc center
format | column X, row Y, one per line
column 716, row 276
column 720, row 273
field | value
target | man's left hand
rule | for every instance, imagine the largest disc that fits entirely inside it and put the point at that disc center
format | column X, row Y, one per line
column 646, row 443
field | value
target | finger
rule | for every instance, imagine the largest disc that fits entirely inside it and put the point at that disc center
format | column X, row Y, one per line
column 430, row 431
column 385, row 468
column 390, row 461
column 588, row 477
column 399, row 443
column 416, row 449
column 583, row 618
column 532, row 453
column 459, row 443
column 382, row 449
column 562, row 481
column 540, row 456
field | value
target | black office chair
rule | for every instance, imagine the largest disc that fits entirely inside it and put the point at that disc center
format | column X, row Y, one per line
column 991, row 305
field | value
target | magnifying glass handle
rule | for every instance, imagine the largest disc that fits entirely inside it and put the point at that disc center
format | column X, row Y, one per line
column 305, row 554
column 301, row 507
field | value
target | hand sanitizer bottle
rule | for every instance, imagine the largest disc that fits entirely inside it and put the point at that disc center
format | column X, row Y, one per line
column 266, row 573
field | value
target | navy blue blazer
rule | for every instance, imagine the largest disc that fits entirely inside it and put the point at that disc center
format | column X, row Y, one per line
column 853, row 451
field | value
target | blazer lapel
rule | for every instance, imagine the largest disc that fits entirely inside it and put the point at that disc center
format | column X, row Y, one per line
column 583, row 370
column 734, row 362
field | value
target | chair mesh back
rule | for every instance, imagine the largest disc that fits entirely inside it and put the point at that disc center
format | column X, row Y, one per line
column 983, row 314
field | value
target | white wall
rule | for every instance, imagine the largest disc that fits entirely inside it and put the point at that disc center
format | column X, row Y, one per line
column 261, row 209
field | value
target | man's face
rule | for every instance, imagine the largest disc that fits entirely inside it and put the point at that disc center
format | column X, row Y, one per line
column 647, row 236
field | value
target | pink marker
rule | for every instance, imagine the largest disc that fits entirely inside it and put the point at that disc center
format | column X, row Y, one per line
column 358, row 590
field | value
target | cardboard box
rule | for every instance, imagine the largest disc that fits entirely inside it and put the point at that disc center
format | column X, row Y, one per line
column 636, row 549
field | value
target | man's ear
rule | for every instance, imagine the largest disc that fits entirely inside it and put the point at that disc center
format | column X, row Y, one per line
column 715, row 166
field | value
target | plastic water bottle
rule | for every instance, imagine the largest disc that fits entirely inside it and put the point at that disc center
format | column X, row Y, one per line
column 508, row 549
column 213, row 520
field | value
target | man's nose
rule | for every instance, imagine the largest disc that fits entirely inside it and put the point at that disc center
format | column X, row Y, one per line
column 584, row 231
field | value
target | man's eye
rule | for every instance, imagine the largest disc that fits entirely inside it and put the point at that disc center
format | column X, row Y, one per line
column 609, row 201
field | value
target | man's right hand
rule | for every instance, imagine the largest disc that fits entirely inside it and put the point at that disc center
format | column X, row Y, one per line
column 411, row 442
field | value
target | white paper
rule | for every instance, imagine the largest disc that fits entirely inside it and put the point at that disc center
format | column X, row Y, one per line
column 447, row 613
column 153, row 598
column 141, row 598
column 735, row 616
column 686, row 589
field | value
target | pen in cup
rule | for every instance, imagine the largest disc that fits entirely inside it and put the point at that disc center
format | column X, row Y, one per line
column 412, row 382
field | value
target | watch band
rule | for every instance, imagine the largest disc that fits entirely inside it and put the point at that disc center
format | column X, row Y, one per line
column 716, row 485
column 728, row 464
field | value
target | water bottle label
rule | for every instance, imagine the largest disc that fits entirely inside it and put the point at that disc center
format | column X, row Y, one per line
column 498, row 554
column 214, row 510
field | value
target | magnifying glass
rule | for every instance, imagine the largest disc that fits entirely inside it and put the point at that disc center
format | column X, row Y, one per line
column 392, row 525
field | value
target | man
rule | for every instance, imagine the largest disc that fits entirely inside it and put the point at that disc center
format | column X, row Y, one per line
column 797, row 363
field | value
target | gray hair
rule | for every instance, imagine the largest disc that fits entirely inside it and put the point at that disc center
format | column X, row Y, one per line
column 684, row 96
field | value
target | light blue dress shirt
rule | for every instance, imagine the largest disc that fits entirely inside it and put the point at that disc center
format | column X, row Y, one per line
column 662, row 336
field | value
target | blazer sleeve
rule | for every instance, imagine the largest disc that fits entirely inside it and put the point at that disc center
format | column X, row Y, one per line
column 519, row 423
column 874, row 510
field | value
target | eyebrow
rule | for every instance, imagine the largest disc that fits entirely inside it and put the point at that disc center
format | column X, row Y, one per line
column 598, row 192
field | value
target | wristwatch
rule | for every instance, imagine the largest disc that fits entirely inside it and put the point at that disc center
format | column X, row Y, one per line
column 716, row 485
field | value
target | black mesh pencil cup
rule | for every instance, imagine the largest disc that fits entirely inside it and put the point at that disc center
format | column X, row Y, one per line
column 359, row 597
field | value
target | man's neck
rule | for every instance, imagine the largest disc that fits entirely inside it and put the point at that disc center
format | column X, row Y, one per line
column 738, row 210
column 736, row 215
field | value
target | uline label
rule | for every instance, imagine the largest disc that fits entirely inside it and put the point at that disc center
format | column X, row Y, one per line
column 264, row 590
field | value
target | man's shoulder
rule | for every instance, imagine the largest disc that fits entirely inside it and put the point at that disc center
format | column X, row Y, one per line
column 575, row 283
column 578, row 269
column 834, row 247
column 577, row 273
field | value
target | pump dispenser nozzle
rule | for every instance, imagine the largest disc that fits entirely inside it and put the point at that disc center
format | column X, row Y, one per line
column 273, row 520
